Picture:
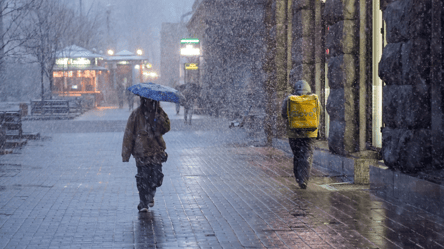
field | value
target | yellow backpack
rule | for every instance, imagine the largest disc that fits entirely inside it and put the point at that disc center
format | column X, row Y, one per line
column 303, row 112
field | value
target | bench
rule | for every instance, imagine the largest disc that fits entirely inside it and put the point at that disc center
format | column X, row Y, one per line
column 50, row 107
column 12, row 122
column 11, row 133
column 11, row 130
column 76, row 105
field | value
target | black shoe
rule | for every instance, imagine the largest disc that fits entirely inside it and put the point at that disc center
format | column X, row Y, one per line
column 302, row 184
column 151, row 204
column 141, row 208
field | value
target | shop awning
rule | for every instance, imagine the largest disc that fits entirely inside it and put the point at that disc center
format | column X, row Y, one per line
column 80, row 68
column 125, row 55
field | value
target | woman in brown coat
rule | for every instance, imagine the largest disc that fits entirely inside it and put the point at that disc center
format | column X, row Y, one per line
column 143, row 139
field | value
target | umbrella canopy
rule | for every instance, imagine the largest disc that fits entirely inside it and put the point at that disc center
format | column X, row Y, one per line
column 157, row 92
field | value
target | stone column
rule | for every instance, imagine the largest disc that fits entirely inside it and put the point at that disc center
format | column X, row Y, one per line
column 303, row 42
column 319, row 53
column 342, row 104
column 437, row 79
column 405, row 68
column 281, row 62
column 269, row 68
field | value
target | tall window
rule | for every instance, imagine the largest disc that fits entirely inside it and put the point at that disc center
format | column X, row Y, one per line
column 377, row 48
column 327, row 93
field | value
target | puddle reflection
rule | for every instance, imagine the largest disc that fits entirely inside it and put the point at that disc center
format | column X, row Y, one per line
column 144, row 230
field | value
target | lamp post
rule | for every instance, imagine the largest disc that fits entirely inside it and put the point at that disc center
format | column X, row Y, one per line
column 80, row 8
column 139, row 52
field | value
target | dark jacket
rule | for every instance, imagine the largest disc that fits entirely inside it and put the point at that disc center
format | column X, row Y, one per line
column 190, row 97
column 143, row 138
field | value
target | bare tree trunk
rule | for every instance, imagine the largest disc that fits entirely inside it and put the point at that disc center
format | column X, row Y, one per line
column 80, row 8
column 2, row 55
column 51, row 83
column 2, row 50
column 42, row 73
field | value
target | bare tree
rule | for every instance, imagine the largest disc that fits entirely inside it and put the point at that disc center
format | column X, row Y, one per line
column 47, row 25
column 88, row 30
column 53, row 26
column 12, row 14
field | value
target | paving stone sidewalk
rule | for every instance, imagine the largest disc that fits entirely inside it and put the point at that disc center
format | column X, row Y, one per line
column 71, row 190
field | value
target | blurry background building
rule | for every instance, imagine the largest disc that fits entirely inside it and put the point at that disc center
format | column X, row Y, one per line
column 233, row 46
column 77, row 74
column 125, row 69
column 376, row 66
column 171, row 72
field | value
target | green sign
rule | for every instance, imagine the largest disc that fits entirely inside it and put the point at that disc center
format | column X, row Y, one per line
column 189, row 41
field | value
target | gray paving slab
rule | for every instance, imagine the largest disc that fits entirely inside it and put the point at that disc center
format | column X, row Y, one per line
column 71, row 190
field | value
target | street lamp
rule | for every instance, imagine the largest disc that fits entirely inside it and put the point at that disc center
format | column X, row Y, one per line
column 110, row 52
column 139, row 52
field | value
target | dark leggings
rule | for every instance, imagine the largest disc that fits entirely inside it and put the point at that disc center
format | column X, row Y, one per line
column 303, row 158
column 148, row 178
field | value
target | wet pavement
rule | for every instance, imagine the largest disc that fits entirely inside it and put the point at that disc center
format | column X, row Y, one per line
column 71, row 190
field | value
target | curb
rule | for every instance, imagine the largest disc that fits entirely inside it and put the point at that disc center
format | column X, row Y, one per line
column 407, row 189
column 384, row 182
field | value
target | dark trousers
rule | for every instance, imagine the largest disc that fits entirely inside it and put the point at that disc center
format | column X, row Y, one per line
column 189, row 111
column 148, row 178
column 303, row 158
column 177, row 108
column 130, row 103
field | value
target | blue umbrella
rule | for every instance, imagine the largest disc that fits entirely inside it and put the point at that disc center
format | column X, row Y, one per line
column 156, row 92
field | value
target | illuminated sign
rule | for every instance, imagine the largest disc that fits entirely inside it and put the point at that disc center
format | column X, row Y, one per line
column 189, row 40
column 190, row 47
column 77, row 62
column 81, row 61
column 63, row 61
column 191, row 66
column 190, row 50
column 150, row 74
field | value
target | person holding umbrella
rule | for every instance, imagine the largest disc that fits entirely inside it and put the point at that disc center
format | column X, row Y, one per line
column 143, row 139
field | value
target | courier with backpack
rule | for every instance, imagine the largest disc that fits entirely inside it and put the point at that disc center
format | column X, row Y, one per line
column 301, row 112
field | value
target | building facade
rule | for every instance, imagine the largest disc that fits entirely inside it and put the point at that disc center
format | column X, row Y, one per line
column 232, row 43
column 125, row 69
column 375, row 64
column 78, row 73
column 170, row 66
